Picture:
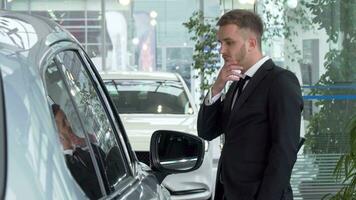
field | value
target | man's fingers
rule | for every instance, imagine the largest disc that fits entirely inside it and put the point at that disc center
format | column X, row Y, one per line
column 231, row 66
column 229, row 72
column 233, row 70
column 233, row 77
column 236, row 72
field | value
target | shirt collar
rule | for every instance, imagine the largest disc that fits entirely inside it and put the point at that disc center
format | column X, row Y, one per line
column 68, row 152
column 250, row 72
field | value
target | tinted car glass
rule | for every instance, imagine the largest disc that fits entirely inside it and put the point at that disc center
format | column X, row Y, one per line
column 70, row 87
column 96, row 120
column 72, row 136
column 149, row 96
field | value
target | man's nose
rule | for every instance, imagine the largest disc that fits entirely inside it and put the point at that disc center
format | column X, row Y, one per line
column 222, row 49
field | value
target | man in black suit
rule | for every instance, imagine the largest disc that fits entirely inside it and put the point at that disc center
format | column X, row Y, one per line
column 78, row 159
column 259, row 115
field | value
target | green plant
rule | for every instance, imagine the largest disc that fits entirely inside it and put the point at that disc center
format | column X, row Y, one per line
column 326, row 131
column 206, row 55
column 345, row 169
column 280, row 21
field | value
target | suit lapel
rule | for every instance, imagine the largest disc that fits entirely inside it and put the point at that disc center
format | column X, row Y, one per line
column 252, row 84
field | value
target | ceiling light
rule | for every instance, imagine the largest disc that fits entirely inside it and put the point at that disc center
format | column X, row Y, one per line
column 135, row 41
column 292, row 3
column 153, row 22
column 124, row 2
column 243, row 1
column 153, row 14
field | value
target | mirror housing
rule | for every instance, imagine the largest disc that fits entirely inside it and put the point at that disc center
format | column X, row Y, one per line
column 175, row 152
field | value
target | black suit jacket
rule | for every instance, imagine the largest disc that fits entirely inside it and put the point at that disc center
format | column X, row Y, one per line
column 261, row 134
column 81, row 167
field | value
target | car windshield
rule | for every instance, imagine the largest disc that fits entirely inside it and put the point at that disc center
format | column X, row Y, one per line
column 149, row 96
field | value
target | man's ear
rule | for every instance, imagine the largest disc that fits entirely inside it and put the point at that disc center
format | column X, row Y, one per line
column 252, row 43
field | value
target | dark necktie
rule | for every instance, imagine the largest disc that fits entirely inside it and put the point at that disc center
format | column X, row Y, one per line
column 77, row 156
column 241, row 85
column 239, row 88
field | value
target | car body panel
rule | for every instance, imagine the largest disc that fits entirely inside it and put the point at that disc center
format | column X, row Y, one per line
column 3, row 143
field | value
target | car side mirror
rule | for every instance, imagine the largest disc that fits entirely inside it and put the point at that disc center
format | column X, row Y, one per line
column 175, row 152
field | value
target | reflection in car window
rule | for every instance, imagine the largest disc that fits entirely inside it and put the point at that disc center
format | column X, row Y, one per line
column 15, row 30
column 59, row 95
column 91, row 109
column 72, row 136
column 149, row 96
column 92, row 121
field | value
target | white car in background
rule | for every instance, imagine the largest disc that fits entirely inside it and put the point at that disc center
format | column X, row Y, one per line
column 148, row 101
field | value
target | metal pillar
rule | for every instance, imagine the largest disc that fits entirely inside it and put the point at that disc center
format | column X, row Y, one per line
column 201, row 8
column 3, row 4
column 103, row 36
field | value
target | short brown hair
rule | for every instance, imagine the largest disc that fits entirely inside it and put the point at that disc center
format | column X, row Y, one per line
column 244, row 19
column 55, row 108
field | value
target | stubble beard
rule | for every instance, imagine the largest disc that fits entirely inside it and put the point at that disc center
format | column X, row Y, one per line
column 241, row 56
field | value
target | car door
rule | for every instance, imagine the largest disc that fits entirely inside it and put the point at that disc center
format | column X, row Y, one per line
column 2, row 144
column 72, row 84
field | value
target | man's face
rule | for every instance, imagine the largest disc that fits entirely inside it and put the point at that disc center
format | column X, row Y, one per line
column 233, row 44
column 64, row 129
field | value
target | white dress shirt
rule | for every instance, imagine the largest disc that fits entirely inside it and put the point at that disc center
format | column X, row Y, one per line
column 68, row 152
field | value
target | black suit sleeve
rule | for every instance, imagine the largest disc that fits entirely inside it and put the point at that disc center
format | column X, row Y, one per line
column 210, row 120
column 285, row 104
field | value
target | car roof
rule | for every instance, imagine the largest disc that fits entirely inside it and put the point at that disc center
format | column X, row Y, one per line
column 29, row 36
column 135, row 75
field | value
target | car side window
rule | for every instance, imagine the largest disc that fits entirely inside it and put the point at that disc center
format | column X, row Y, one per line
column 72, row 136
column 69, row 85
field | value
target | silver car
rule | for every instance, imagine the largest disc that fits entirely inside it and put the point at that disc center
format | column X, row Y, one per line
column 60, row 136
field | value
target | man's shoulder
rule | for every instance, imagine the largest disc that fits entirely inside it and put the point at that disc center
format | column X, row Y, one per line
column 271, row 66
column 277, row 71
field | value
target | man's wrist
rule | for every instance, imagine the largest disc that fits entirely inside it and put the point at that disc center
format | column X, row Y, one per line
column 210, row 98
column 215, row 91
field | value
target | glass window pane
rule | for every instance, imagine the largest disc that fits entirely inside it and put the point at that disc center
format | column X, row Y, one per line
column 71, row 134
column 316, row 41
column 149, row 96
column 179, row 60
column 95, row 120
